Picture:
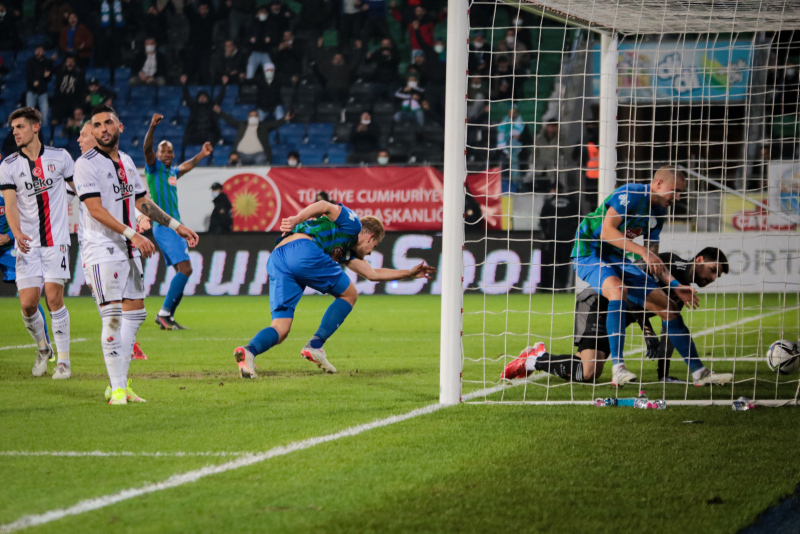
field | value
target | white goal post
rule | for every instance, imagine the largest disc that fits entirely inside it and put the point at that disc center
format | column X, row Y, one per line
column 601, row 32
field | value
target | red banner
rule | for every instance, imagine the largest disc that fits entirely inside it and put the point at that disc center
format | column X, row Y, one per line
column 486, row 188
column 404, row 198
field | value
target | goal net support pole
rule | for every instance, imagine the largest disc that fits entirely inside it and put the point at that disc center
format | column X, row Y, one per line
column 455, row 173
column 609, row 58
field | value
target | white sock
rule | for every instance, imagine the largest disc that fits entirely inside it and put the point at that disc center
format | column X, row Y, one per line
column 697, row 375
column 530, row 363
column 131, row 321
column 60, row 323
column 617, row 367
column 163, row 313
column 111, row 340
column 35, row 326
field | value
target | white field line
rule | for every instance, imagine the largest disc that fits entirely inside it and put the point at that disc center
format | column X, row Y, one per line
column 102, row 454
column 77, row 340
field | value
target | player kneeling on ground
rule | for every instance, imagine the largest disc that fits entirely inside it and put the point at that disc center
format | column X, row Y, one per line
column 109, row 186
column 315, row 245
column 590, row 334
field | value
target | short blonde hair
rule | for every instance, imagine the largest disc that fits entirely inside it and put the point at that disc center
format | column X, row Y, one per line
column 373, row 225
column 669, row 173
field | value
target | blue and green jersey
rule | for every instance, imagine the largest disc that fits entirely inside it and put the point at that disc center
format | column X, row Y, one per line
column 4, row 228
column 335, row 238
column 163, row 184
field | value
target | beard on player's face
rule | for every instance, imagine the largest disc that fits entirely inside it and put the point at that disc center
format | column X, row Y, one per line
column 111, row 143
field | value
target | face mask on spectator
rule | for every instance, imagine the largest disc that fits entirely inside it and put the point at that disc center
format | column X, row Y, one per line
column 269, row 75
column 439, row 48
column 510, row 41
column 214, row 194
column 262, row 17
column 150, row 49
column 517, row 22
column 478, row 44
column 383, row 160
column 476, row 85
column 2, row 14
column 412, row 84
column 291, row 162
column 365, row 121
column 252, row 121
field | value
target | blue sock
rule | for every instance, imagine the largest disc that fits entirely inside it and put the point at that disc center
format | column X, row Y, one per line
column 46, row 335
column 175, row 306
column 334, row 316
column 680, row 337
column 263, row 341
column 175, row 292
column 615, row 327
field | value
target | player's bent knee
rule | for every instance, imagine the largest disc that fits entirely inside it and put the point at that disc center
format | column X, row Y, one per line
column 350, row 294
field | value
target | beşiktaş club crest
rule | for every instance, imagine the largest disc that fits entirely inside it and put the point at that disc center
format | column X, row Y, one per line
column 64, row 248
column 51, row 167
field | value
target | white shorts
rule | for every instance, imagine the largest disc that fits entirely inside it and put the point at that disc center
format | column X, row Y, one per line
column 116, row 280
column 42, row 264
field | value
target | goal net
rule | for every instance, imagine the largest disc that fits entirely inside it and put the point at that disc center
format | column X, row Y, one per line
column 567, row 100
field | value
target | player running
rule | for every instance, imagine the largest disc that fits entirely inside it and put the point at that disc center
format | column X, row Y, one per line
column 107, row 183
column 315, row 245
column 33, row 181
column 590, row 334
column 162, row 181
column 86, row 142
column 602, row 240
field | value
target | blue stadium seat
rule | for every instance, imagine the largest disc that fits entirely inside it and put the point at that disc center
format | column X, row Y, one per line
column 280, row 152
column 137, row 156
column 320, row 132
column 172, row 132
column 273, row 137
column 169, row 95
column 60, row 142
column 337, row 153
column 312, row 154
column 231, row 91
column 194, row 89
column 221, row 155
column 142, row 93
column 292, row 133
column 122, row 73
column 239, row 111
column 228, row 131
column 103, row 75
column 37, row 39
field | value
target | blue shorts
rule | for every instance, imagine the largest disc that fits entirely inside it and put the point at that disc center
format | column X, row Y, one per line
column 173, row 246
column 595, row 271
column 296, row 265
column 8, row 264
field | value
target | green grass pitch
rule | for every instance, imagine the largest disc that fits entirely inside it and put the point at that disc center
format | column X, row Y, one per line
column 468, row 468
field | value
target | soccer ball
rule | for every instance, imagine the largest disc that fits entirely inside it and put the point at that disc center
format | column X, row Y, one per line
column 783, row 357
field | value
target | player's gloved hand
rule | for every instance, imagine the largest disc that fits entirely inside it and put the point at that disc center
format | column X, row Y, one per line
column 422, row 271
column 145, row 246
column 654, row 264
column 688, row 296
column 189, row 235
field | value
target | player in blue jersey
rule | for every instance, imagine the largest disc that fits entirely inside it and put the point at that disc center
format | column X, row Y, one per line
column 603, row 239
column 8, row 258
column 315, row 245
column 162, row 181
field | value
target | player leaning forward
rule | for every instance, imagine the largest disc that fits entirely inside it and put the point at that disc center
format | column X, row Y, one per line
column 315, row 245
column 109, row 186
column 33, row 184
column 602, row 240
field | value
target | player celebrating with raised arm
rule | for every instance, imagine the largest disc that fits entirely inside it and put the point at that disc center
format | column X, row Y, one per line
column 162, row 181
column 107, row 183
column 602, row 240
column 315, row 244
column 33, row 181
column 590, row 333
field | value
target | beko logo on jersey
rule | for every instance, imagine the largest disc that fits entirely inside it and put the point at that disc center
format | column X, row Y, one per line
column 125, row 189
column 39, row 186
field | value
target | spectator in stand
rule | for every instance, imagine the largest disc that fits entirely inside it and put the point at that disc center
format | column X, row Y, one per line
column 96, row 95
column 477, row 96
column 57, row 15
column 432, row 69
column 420, row 30
column 230, row 63
column 233, row 160
column 509, row 140
column 432, row 115
column 150, row 67
column 337, row 73
column 78, row 40
column 9, row 30
column 548, row 153
column 260, row 38
column 70, row 89
column 315, row 15
column 410, row 98
column 386, row 62
column 351, row 21
column 364, row 138
column 503, row 80
column 516, row 51
column 202, row 20
column 238, row 16
column 478, row 60
column 293, row 159
column 281, row 17
column 38, row 71
column 288, row 60
column 383, row 157
column 375, row 24
column 156, row 21
column 252, row 136
column 268, row 99
column 221, row 220
column 203, row 122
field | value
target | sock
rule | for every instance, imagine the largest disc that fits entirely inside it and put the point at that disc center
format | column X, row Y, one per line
column 564, row 366
column 131, row 321
column 60, row 320
column 680, row 337
column 334, row 316
column 174, row 294
column 111, row 340
column 615, row 326
column 46, row 335
column 665, row 351
column 175, row 306
column 35, row 326
column 263, row 341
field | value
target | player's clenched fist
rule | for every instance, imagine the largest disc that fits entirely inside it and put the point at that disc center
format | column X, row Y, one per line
column 157, row 118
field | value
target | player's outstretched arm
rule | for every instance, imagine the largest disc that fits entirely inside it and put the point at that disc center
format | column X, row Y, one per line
column 12, row 216
column 364, row 269
column 100, row 214
column 149, row 209
column 611, row 234
column 147, row 145
column 317, row 209
column 187, row 166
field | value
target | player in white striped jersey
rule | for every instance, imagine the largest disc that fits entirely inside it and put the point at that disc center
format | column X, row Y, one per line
column 109, row 186
column 33, row 181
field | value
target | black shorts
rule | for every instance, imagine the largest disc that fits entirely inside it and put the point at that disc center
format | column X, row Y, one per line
column 590, row 322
